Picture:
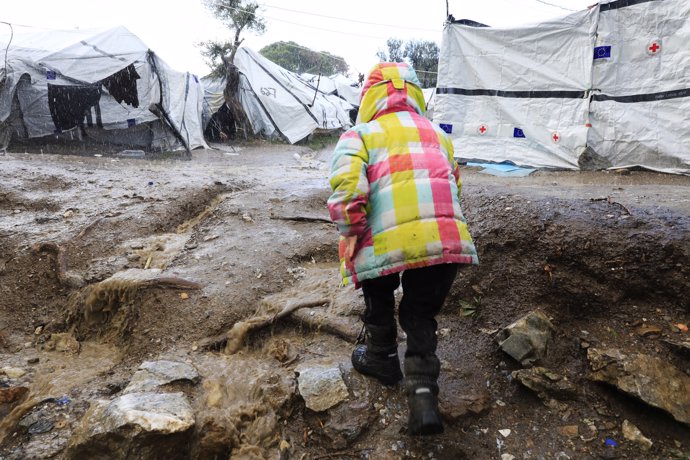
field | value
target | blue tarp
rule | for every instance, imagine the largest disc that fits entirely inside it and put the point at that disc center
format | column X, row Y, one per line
column 503, row 169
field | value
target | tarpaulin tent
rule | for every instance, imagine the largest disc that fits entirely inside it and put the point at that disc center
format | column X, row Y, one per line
column 609, row 82
column 278, row 102
column 104, row 84
column 338, row 85
column 640, row 103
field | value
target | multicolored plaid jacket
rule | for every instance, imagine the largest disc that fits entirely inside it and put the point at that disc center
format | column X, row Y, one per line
column 396, row 184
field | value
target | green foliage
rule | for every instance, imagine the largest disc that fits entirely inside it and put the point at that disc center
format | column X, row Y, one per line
column 420, row 54
column 213, row 53
column 395, row 51
column 299, row 59
column 423, row 55
column 319, row 141
column 238, row 16
column 470, row 309
column 680, row 455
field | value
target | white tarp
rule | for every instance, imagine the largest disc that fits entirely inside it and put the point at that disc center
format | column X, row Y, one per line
column 213, row 95
column 322, row 82
column 347, row 89
column 641, row 110
column 517, row 94
column 613, row 80
column 429, row 98
column 62, row 79
column 337, row 84
column 293, row 107
column 183, row 98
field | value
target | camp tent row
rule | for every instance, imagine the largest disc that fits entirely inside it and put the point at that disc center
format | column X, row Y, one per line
column 107, row 86
column 103, row 84
column 608, row 86
column 280, row 103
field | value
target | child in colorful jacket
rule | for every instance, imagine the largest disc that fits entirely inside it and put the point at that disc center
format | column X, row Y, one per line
column 396, row 203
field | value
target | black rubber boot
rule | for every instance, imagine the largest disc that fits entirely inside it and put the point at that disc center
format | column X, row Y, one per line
column 378, row 356
column 421, row 375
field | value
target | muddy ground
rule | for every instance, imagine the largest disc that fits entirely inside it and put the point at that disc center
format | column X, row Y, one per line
column 601, row 253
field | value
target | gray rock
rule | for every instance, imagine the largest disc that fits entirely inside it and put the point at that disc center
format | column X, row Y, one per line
column 632, row 433
column 454, row 405
column 544, row 382
column 12, row 372
column 347, row 421
column 41, row 426
column 678, row 345
column 153, row 374
column 647, row 378
column 136, row 425
column 321, row 385
column 527, row 339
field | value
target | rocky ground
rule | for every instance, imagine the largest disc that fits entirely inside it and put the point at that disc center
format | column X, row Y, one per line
column 160, row 308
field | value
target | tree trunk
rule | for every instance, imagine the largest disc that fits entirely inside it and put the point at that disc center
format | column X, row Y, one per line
column 236, row 44
column 231, row 96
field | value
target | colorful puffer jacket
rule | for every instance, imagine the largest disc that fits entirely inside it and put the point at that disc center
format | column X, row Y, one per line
column 396, row 185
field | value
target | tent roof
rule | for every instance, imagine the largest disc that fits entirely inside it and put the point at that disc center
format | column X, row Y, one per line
column 87, row 55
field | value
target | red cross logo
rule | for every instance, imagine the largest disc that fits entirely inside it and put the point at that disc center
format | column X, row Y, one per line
column 654, row 48
column 556, row 138
column 482, row 129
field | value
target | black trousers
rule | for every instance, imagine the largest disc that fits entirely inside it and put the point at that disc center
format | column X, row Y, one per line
column 424, row 291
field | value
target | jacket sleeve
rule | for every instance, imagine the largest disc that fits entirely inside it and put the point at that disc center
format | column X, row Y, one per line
column 350, row 186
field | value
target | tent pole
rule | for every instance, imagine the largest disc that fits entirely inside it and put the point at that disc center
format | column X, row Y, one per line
column 177, row 134
column 318, row 82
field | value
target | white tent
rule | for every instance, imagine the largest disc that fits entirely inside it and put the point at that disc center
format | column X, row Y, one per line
column 610, row 82
column 337, row 84
column 105, row 84
column 279, row 102
column 429, row 96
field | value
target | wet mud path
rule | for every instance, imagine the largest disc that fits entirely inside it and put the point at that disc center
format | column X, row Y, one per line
column 109, row 263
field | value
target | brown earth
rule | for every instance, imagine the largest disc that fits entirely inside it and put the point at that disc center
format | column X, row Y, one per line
column 601, row 253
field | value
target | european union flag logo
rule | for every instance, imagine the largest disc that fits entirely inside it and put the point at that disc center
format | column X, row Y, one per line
column 602, row 52
column 517, row 132
column 51, row 75
column 131, row 122
column 446, row 127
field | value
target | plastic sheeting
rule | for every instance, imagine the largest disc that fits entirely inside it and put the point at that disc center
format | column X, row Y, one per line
column 183, row 98
column 347, row 89
column 640, row 111
column 612, row 81
column 97, row 79
column 338, row 85
column 517, row 94
column 294, row 108
column 33, row 95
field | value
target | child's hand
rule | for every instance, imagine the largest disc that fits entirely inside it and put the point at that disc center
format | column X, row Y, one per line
column 350, row 243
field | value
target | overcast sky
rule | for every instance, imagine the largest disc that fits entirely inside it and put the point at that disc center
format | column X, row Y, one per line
column 172, row 29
